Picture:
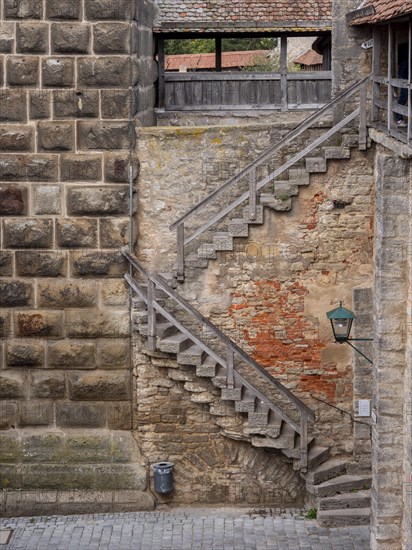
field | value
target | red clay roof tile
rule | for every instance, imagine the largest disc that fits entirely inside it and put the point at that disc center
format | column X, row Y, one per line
column 385, row 10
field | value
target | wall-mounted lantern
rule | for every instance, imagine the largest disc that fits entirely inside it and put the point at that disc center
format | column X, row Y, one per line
column 341, row 320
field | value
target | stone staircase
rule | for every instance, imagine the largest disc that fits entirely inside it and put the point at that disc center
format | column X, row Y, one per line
column 279, row 200
column 340, row 496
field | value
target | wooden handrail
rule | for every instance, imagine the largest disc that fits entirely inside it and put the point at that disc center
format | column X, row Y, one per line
column 161, row 283
column 307, row 123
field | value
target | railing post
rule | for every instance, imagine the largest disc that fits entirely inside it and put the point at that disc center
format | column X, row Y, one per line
column 229, row 364
column 284, row 72
column 161, row 73
column 180, row 252
column 363, row 105
column 303, row 442
column 252, row 194
column 151, row 317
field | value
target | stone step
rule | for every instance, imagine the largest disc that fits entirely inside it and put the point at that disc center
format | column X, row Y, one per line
column 193, row 260
column 295, row 452
column 340, row 484
column 207, row 251
column 275, row 425
column 174, row 344
column 231, row 394
column 170, row 278
column 286, row 439
column 285, row 189
column 247, row 402
column 220, row 380
column 162, row 330
column 238, row 228
column 357, row 499
column 191, row 356
column 277, row 204
column 223, row 242
column 336, row 153
column 328, row 470
column 315, row 165
column 317, row 455
column 259, row 418
column 338, row 518
column 207, row 368
column 299, row 176
column 141, row 317
column 257, row 220
column 350, row 140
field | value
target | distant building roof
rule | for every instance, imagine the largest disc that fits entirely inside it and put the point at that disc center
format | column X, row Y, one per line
column 309, row 58
column 204, row 61
column 376, row 11
column 243, row 15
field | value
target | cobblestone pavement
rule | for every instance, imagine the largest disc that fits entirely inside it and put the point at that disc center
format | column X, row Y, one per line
column 181, row 529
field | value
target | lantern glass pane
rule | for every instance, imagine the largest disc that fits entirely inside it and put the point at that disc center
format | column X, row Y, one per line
column 341, row 328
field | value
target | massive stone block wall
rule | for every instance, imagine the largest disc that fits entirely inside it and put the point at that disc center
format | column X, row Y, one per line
column 272, row 292
column 68, row 105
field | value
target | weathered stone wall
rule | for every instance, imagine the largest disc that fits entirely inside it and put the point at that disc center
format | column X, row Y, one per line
column 272, row 293
column 145, row 61
column 67, row 110
column 391, row 448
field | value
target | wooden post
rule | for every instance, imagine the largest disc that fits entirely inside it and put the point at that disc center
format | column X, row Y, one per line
column 409, row 137
column 252, row 194
column 218, row 55
column 161, row 72
column 151, row 317
column 303, row 442
column 180, row 252
column 363, row 102
column 390, row 90
column 376, row 71
column 284, row 72
column 230, row 361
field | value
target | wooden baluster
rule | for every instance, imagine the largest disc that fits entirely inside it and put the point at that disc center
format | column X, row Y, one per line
column 181, row 252
column 304, row 442
column 229, row 364
column 362, row 117
column 151, row 317
column 252, row 194
column 161, row 73
column 284, row 72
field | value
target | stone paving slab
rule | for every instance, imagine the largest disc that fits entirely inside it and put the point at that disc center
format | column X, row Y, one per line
column 181, row 529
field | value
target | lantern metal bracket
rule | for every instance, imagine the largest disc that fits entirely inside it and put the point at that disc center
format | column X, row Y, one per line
column 349, row 340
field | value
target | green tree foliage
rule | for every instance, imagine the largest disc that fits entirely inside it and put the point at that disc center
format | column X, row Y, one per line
column 207, row 45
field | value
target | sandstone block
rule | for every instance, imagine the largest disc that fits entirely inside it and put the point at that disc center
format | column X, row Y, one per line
column 64, row 294
column 44, row 447
column 81, row 415
column 6, row 37
column 71, row 354
column 56, row 136
column 97, row 10
column 15, row 293
column 72, row 233
column 56, row 477
column 10, row 448
column 76, row 103
column 115, row 293
column 117, row 167
column 101, row 386
column 23, row 9
column 8, row 415
column 111, row 38
column 113, row 354
column 39, row 104
column 58, row 72
column 117, row 104
column 114, row 233
column 103, row 72
column 98, row 264
column 47, row 199
column 121, row 477
column 48, row 385
column 85, row 448
column 81, row 167
column 28, row 233
column 20, row 353
column 28, row 167
column 105, row 135
column 22, row 71
column 40, row 264
column 98, row 201
column 63, row 9
column 16, row 138
column 13, row 105
column 70, row 38
column 6, row 264
column 13, row 200
column 40, row 324
column 12, row 386
column 35, row 413
column 119, row 416
column 5, row 323
column 96, row 323
column 32, row 37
